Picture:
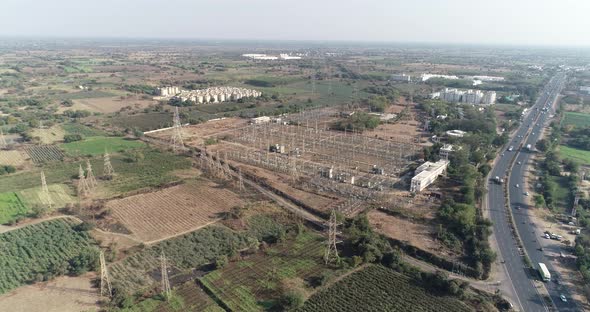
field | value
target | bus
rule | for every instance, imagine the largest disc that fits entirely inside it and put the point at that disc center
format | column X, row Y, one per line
column 545, row 275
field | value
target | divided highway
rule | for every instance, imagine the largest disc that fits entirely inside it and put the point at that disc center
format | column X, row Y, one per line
column 528, row 297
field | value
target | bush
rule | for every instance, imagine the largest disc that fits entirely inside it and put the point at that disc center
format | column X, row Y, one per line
column 72, row 138
column 291, row 299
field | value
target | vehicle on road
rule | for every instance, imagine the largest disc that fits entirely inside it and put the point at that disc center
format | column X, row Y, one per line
column 547, row 236
column 545, row 275
column 519, row 162
column 511, row 148
column 526, row 193
column 517, row 185
column 563, row 298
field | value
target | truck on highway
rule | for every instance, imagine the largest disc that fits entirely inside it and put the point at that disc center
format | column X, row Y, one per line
column 529, row 147
column 545, row 275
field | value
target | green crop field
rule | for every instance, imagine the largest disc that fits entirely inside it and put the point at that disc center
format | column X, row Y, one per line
column 577, row 119
column 580, row 155
column 11, row 207
column 254, row 283
column 185, row 252
column 60, row 195
column 30, row 253
column 377, row 288
column 75, row 128
column 144, row 122
column 98, row 145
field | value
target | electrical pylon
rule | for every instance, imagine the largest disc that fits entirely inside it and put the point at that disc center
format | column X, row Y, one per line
column 177, row 143
column 90, row 179
column 3, row 143
column 165, row 281
column 240, row 180
column 45, row 191
column 107, row 170
column 83, row 188
column 331, row 253
column 105, row 282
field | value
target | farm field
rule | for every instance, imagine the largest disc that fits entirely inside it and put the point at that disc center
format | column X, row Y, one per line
column 60, row 196
column 11, row 207
column 144, row 122
column 579, row 155
column 253, row 284
column 98, row 145
column 85, row 95
column 577, row 119
column 62, row 294
column 377, row 288
column 41, row 154
column 184, row 252
column 173, row 210
column 36, row 249
column 13, row 158
column 49, row 135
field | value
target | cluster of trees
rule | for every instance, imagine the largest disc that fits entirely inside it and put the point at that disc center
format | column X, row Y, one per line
column 76, row 113
column 366, row 245
column 388, row 92
column 579, row 138
column 140, row 89
column 7, row 169
column 359, row 121
column 377, row 103
column 68, row 138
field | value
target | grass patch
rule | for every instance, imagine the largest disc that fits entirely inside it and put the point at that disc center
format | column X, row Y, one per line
column 576, row 154
column 577, row 119
column 11, row 207
column 60, row 196
column 562, row 192
column 85, row 95
column 98, row 145
column 75, row 128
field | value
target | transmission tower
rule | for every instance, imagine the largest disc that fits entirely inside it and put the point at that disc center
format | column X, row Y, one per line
column 105, row 282
column 108, row 170
column 45, row 191
column 165, row 281
column 90, row 179
column 331, row 250
column 177, row 143
column 83, row 188
column 3, row 143
column 240, row 180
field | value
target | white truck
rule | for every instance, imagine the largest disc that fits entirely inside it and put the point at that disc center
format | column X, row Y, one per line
column 529, row 147
column 545, row 275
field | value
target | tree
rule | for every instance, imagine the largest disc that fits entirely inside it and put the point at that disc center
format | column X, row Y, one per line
column 542, row 145
column 68, row 138
column 539, row 201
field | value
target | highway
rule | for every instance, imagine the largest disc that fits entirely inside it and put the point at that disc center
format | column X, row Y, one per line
column 528, row 298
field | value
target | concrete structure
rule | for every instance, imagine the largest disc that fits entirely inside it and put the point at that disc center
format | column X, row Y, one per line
column 261, row 119
column 209, row 95
column 456, row 133
column 403, row 78
column 425, row 77
column 265, row 57
column 426, row 174
column 445, row 151
column 465, row 96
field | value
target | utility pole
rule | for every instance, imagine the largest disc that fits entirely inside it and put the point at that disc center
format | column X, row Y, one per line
column 331, row 253
column 45, row 191
column 90, row 179
column 177, row 143
column 105, row 282
column 83, row 188
column 240, row 180
column 108, row 170
column 3, row 143
column 165, row 281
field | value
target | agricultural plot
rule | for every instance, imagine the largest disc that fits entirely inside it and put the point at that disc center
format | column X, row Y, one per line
column 185, row 252
column 577, row 119
column 41, row 154
column 11, row 207
column 173, row 210
column 98, row 145
column 60, row 195
column 75, row 128
column 37, row 250
column 186, row 297
column 377, row 288
column 144, row 122
column 577, row 154
column 254, row 283
column 49, row 135
column 13, row 158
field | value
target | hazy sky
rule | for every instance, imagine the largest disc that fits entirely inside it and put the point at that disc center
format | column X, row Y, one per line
column 547, row 22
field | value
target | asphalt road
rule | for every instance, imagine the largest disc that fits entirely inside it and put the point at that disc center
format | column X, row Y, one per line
column 522, row 278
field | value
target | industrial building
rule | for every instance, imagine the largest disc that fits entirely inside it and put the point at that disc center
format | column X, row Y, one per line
column 402, row 78
column 426, row 174
column 209, row 95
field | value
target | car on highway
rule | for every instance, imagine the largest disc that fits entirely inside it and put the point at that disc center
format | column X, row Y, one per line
column 563, row 298
column 526, row 193
column 519, row 162
column 547, row 236
column 517, row 185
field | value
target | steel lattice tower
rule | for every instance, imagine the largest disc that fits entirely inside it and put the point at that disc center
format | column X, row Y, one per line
column 331, row 253
column 105, row 282
column 45, row 190
column 3, row 143
column 90, row 179
column 165, row 280
column 177, row 143
column 240, row 180
column 108, row 170
column 83, row 188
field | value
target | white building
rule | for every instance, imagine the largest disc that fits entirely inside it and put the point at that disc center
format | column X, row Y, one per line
column 489, row 98
column 403, row 78
column 210, row 95
column 425, row 77
column 456, row 133
column 465, row 96
column 426, row 174
column 261, row 119
column 445, row 151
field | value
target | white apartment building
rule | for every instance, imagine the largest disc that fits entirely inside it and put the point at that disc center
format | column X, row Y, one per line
column 465, row 96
